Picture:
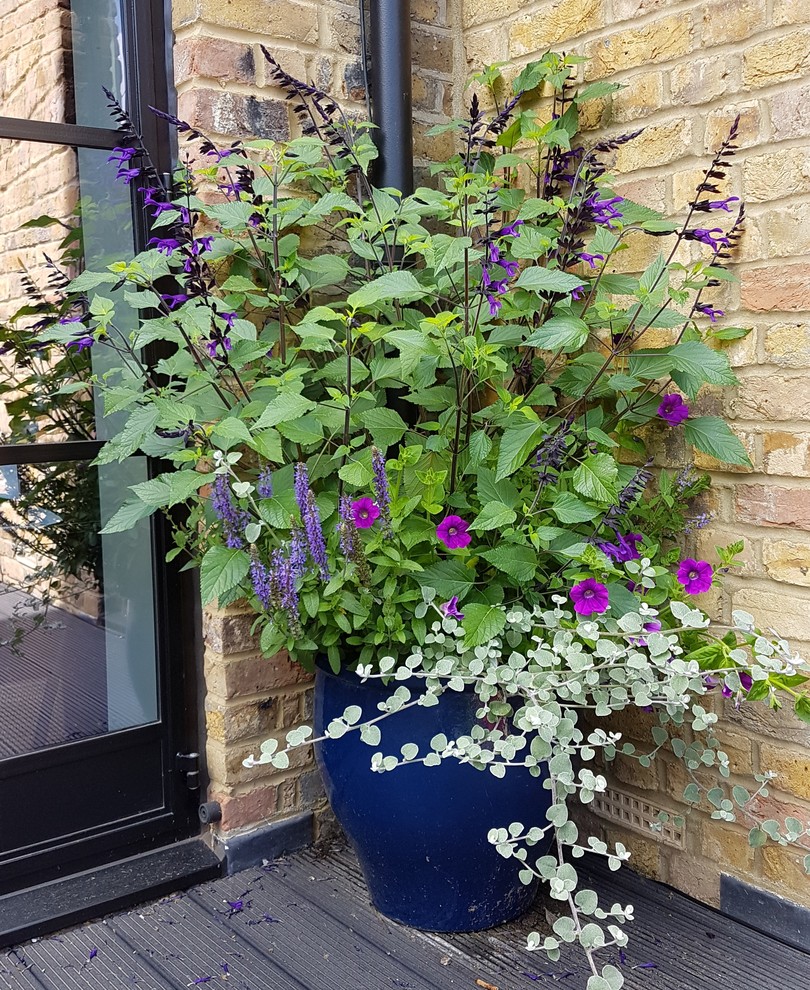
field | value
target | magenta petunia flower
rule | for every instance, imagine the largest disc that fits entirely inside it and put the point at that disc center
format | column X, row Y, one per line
column 452, row 531
column 451, row 608
column 673, row 409
column 364, row 513
column 695, row 575
column 589, row 597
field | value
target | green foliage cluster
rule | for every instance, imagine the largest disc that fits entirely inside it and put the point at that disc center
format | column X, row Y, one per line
column 474, row 332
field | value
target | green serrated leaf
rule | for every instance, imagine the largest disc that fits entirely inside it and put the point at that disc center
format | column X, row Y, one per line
column 482, row 623
column 714, row 436
column 221, row 570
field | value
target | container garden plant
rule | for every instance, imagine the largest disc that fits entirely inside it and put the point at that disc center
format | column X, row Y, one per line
column 412, row 432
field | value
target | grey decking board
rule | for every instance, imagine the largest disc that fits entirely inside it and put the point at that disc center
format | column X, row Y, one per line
column 328, row 937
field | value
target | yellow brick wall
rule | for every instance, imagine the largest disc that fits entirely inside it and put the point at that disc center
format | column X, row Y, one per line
column 688, row 67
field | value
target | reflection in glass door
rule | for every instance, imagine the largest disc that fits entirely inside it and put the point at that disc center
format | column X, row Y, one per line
column 91, row 718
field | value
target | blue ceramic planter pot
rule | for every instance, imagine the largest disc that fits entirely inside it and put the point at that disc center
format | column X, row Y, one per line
column 420, row 833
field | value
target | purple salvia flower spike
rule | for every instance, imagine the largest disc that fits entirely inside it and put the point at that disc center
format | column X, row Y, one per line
column 381, row 491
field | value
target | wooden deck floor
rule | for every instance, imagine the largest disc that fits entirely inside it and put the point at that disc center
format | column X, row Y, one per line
column 304, row 923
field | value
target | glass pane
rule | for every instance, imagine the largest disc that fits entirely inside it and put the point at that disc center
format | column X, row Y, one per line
column 57, row 56
column 77, row 642
column 63, row 211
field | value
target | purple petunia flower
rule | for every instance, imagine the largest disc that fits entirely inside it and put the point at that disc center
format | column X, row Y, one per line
column 673, row 409
column 450, row 609
column 695, row 575
column 590, row 597
column 746, row 683
column 81, row 343
column 165, row 245
column 710, row 311
column 452, row 531
column 364, row 513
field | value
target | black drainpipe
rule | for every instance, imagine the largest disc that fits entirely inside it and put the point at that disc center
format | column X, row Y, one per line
column 392, row 107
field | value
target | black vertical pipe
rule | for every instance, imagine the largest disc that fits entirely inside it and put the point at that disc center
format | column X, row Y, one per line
column 392, row 106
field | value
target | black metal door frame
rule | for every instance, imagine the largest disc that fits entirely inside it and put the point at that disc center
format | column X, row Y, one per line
column 147, row 31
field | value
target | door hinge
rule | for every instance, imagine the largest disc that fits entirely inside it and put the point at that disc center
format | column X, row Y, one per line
column 189, row 765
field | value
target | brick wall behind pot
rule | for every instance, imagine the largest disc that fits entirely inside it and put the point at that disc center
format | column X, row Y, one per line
column 688, row 68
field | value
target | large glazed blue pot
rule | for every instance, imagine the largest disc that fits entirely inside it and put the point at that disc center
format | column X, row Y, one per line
column 420, row 832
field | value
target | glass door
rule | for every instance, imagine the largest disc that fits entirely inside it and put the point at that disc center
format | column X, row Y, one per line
column 92, row 714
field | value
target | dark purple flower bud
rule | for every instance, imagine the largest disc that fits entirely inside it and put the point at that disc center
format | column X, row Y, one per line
column 165, row 245
column 673, row 409
column 550, row 455
column 181, row 125
column 710, row 311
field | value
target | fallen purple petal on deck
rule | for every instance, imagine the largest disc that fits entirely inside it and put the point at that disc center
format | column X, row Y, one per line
column 93, row 954
column 202, row 979
column 646, row 966
column 225, row 968
column 533, row 976
column 622, row 957
column 235, row 906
